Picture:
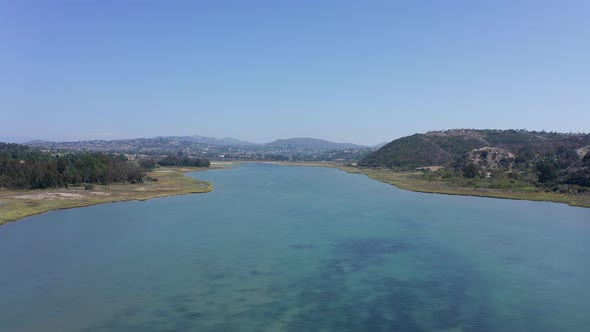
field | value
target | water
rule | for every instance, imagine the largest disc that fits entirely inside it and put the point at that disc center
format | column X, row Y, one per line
column 299, row 249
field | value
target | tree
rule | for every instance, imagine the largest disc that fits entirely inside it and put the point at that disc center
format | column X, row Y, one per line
column 470, row 171
column 546, row 171
column 148, row 164
column 22, row 167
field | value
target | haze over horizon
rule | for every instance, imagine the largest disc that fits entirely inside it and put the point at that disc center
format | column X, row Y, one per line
column 344, row 71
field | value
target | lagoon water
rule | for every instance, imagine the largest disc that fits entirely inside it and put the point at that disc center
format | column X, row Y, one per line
column 299, row 249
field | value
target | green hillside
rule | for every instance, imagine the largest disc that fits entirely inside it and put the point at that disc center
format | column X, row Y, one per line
column 512, row 160
column 442, row 148
column 423, row 150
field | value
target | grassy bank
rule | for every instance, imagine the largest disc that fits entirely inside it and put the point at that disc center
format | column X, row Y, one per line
column 411, row 181
column 17, row 204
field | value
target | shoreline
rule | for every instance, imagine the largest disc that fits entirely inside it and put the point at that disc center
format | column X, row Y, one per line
column 172, row 181
column 406, row 181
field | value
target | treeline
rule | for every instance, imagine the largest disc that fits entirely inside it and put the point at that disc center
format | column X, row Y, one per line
column 564, row 168
column 22, row 167
column 184, row 161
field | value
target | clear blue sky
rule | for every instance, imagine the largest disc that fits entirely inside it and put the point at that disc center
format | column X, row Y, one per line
column 354, row 71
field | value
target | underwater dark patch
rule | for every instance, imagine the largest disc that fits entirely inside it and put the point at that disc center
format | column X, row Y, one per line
column 256, row 273
column 353, row 255
column 216, row 276
column 192, row 315
column 160, row 313
column 302, row 246
column 373, row 246
column 130, row 312
column 447, row 297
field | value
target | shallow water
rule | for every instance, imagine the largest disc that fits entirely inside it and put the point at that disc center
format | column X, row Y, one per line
column 299, row 249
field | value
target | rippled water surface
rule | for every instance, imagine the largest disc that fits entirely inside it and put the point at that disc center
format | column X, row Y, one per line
column 299, row 249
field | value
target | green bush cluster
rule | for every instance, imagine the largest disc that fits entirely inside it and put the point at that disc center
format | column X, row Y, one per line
column 22, row 167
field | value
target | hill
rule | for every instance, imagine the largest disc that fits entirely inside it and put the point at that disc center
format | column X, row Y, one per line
column 313, row 143
column 505, row 160
column 443, row 148
column 379, row 146
column 207, row 140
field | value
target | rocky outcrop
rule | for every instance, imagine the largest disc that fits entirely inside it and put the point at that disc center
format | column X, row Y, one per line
column 489, row 158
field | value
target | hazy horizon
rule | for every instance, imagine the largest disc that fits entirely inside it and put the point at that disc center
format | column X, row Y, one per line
column 342, row 71
column 28, row 139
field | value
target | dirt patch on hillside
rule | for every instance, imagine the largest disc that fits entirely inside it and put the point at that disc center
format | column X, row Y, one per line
column 100, row 193
column 583, row 151
column 432, row 168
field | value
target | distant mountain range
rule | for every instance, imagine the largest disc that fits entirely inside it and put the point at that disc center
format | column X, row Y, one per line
column 314, row 143
column 305, row 143
column 208, row 140
column 19, row 140
column 294, row 149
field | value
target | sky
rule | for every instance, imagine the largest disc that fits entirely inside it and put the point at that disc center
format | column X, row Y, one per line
column 364, row 72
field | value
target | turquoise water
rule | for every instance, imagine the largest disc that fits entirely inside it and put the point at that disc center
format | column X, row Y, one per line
column 299, row 249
